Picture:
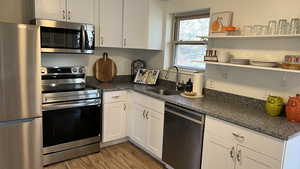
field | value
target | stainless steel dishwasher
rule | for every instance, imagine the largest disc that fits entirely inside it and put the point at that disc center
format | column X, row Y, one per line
column 183, row 137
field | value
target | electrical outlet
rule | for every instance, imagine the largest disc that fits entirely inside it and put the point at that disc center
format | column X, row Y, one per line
column 210, row 84
column 225, row 75
column 267, row 94
column 283, row 83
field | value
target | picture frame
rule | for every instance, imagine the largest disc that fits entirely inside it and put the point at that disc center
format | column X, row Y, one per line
column 147, row 76
column 219, row 20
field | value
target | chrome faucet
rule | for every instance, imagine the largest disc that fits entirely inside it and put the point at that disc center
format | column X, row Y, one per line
column 177, row 78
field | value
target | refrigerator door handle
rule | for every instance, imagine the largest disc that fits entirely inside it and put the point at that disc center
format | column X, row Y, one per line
column 14, row 122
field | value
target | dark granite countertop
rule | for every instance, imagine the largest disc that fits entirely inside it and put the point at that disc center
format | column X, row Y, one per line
column 238, row 110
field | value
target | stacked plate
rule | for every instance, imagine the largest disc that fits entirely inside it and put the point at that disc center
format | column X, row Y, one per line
column 240, row 61
column 263, row 64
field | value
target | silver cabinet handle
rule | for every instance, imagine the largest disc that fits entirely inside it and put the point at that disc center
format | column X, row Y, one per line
column 102, row 40
column 144, row 113
column 69, row 15
column 242, row 138
column 232, row 152
column 116, row 97
column 239, row 156
column 64, row 14
column 125, row 42
column 124, row 107
column 147, row 115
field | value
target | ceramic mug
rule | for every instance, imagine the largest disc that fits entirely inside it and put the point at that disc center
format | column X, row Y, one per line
column 224, row 57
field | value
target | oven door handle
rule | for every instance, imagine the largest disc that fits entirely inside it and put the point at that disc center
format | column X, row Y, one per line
column 73, row 104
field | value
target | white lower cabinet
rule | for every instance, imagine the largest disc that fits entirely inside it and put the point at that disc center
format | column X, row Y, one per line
column 114, row 120
column 227, row 146
column 250, row 159
column 139, row 124
column 217, row 153
column 146, row 124
column 133, row 117
column 155, row 132
column 148, row 129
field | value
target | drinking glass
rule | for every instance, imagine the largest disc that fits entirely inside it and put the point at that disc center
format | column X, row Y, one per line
column 283, row 27
column 258, row 29
column 265, row 30
column 248, row 30
column 294, row 27
column 272, row 27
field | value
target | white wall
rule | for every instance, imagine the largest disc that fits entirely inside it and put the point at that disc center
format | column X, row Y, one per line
column 122, row 58
column 251, row 83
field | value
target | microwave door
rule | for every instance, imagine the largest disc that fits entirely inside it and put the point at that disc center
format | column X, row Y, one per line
column 73, row 40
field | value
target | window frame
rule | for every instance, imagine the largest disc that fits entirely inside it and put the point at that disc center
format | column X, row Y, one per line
column 175, row 34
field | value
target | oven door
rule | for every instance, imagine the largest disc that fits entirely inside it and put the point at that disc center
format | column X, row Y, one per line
column 65, row 126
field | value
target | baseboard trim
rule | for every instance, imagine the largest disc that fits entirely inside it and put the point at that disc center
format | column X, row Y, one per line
column 114, row 142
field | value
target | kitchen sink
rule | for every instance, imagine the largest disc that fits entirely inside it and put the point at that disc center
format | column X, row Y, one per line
column 164, row 92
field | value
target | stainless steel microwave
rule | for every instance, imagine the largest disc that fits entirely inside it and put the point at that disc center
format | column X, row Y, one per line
column 66, row 37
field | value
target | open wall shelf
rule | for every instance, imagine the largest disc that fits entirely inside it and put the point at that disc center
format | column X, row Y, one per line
column 251, row 67
column 251, row 36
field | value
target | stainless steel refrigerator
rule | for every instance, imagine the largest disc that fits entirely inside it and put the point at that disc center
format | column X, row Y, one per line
column 20, row 97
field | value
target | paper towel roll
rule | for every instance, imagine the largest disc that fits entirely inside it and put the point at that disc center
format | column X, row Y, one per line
column 198, row 82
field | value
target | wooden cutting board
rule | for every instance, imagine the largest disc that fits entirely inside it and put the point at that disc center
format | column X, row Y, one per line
column 105, row 69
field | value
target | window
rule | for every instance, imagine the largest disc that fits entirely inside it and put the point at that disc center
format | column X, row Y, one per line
column 187, row 44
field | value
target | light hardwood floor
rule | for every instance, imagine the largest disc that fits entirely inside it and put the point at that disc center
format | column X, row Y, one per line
column 121, row 156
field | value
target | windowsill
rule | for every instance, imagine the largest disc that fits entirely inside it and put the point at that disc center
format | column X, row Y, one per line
column 185, row 71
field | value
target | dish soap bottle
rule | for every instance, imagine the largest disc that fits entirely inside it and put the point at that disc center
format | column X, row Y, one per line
column 189, row 86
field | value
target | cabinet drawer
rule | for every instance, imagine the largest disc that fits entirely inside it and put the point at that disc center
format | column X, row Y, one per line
column 149, row 102
column 115, row 96
column 258, row 142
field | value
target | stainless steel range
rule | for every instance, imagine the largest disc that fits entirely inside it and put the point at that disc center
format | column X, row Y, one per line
column 71, row 114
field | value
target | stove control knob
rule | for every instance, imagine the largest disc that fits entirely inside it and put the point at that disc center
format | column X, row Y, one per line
column 74, row 70
column 81, row 70
column 43, row 70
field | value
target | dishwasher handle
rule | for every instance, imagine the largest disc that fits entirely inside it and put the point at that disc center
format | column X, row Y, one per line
column 199, row 120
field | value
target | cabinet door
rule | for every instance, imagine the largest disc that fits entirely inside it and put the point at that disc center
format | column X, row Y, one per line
column 81, row 11
column 136, row 24
column 139, row 125
column 111, row 23
column 114, row 121
column 155, row 132
column 54, row 9
column 217, row 153
column 249, row 159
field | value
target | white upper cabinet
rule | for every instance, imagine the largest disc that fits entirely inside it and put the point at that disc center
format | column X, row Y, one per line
column 155, row 22
column 143, row 21
column 136, row 23
column 51, row 9
column 80, row 11
column 111, row 23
